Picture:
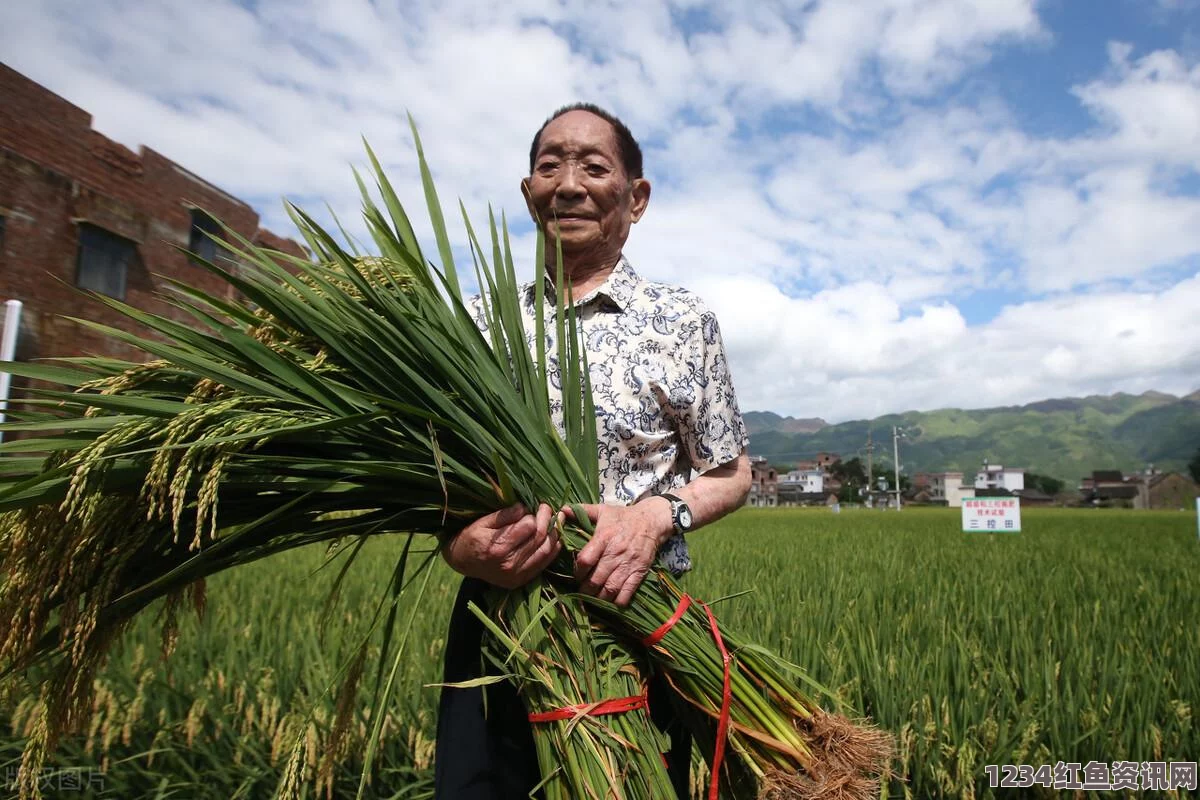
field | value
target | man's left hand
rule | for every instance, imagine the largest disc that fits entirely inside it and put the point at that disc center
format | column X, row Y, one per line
column 625, row 545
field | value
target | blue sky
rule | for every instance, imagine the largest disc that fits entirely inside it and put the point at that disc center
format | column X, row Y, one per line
column 890, row 204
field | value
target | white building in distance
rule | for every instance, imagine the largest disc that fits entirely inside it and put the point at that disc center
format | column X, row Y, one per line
column 948, row 486
column 808, row 481
column 995, row 476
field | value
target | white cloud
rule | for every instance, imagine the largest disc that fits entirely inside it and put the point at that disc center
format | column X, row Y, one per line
column 1110, row 224
column 1151, row 107
column 812, row 180
column 927, row 43
column 851, row 353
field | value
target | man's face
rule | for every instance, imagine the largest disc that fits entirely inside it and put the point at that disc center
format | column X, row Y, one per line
column 579, row 188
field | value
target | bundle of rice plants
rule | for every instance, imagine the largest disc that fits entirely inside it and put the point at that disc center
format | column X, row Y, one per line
column 359, row 398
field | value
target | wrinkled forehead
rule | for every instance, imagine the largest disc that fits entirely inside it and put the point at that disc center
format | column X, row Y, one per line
column 578, row 133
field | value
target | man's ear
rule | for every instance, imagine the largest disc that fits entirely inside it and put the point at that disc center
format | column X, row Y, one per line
column 639, row 188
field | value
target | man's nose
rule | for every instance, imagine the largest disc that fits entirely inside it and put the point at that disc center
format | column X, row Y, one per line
column 569, row 183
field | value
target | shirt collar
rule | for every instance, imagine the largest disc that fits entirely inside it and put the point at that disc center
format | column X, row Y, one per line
column 618, row 288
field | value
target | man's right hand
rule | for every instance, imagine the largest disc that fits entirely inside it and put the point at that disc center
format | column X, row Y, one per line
column 507, row 548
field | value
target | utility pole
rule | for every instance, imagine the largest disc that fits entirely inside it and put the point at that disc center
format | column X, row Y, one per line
column 897, row 432
column 870, row 448
column 870, row 453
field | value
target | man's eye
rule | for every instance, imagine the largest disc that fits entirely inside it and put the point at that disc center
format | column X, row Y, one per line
column 596, row 169
column 547, row 166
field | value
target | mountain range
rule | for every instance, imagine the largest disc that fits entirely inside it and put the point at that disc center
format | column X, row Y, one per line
column 1066, row 438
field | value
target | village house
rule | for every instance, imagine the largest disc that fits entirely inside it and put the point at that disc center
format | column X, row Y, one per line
column 764, row 484
column 826, row 460
column 1034, row 497
column 1168, row 490
column 1108, row 488
column 808, row 480
column 995, row 476
column 993, row 480
column 804, row 487
column 947, row 488
column 79, row 211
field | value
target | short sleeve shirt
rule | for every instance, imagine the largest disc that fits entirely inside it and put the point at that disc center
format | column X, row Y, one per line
column 665, row 405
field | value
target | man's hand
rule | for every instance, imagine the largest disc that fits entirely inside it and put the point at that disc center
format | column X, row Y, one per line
column 623, row 548
column 508, row 548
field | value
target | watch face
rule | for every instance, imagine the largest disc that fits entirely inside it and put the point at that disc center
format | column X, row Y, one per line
column 685, row 517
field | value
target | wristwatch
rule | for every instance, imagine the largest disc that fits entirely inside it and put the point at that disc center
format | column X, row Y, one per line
column 681, row 513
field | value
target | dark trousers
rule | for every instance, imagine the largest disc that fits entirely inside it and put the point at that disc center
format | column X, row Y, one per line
column 487, row 752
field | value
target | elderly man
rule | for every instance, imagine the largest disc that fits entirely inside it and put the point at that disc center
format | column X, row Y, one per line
column 672, row 443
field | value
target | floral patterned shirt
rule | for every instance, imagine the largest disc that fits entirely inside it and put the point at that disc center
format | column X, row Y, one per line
column 665, row 406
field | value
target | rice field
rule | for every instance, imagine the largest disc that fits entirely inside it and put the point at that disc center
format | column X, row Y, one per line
column 1075, row 640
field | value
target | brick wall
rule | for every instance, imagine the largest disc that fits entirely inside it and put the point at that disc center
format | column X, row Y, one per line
column 1172, row 491
column 55, row 172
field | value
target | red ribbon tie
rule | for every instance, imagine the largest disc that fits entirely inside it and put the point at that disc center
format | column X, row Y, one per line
column 618, row 705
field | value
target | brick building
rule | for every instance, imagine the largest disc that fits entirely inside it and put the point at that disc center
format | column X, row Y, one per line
column 764, row 484
column 1166, row 491
column 825, row 461
column 1108, row 487
column 80, row 210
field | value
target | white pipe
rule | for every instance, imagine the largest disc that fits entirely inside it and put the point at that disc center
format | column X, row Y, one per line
column 8, row 350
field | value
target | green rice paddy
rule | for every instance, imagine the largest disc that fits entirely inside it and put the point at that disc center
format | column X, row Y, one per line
column 1075, row 640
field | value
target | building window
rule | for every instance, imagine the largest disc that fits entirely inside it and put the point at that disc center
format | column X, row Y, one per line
column 200, row 241
column 104, row 261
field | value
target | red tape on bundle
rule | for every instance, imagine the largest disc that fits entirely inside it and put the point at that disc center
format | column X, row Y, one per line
column 726, row 697
column 661, row 631
column 618, row 705
column 723, row 720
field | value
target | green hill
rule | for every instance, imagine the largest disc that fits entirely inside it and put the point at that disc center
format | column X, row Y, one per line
column 1066, row 438
column 770, row 421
